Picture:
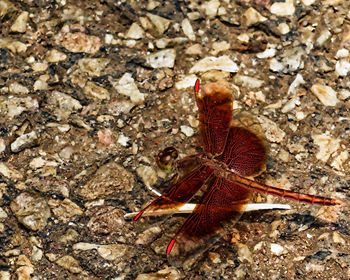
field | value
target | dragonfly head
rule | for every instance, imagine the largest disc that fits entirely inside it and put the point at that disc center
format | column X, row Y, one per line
column 166, row 158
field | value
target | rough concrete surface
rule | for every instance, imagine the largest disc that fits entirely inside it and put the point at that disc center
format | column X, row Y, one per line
column 91, row 91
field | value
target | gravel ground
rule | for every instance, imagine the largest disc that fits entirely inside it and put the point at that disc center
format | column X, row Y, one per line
column 91, row 91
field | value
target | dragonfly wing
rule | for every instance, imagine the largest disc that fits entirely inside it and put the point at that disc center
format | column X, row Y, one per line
column 214, row 103
column 180, row 192
column 223, row 202
column 245, row 152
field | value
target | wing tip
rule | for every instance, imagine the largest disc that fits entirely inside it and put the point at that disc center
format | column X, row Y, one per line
column 170, row 246
column 138, row 215
column 196, row 86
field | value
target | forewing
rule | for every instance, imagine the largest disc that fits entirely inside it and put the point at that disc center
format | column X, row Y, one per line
column 223, row 202
column 245, row 152
column 180, row 192
column 215, row 111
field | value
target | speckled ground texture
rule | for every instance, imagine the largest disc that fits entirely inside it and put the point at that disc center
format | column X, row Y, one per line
column 91, row 91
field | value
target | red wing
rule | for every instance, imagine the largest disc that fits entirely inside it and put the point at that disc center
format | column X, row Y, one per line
column 245, row 152
column 215, row 111
column 180, row 192
column 224, row 201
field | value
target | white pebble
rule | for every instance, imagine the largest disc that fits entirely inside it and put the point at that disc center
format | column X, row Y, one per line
column 344, row 94
column 126, row 86
column 295, row 84
column 327, row 146
column 211, row 8
column 24, row 141
column 252, row 16
column 248, row 82
column 342, row 67
column 187, row 29
column 277, row 249
column 223, row 63
column 283, row 9
column 308, row 2
column 342, row 53
column 275, row 65
column 270, row 51
column 325, row 94
column 164, row 58
column 186, row 82
column 3, row 214
column 20, row 24
column 283, row 28
column 17, row 88
column 187, row 130
column 123, row 140
column 135, row 32
column 300, row 115
column 160, row 23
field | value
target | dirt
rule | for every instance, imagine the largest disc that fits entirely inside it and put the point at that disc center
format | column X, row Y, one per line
column 79, row 137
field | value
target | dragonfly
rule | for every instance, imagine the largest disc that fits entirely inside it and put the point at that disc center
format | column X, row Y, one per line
column 231, row 157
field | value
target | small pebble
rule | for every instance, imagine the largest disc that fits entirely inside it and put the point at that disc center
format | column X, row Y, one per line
column 295, row 84
column 211, row 8
column 93, row 66
column 248, row 82
column 17, row 88
column 342, row 67
column 223, row 63
column 135, row 32
column 195, row 49
column 40, row 66
column 169, row 273
column 79, row 42
column 13, row 45
column 3, row 214
column 340, row 160
column 252, row 16
column 187, row 130
column 272, row 132
column 93, row 91
column 126, row 86
column 283, row 9
column 283, row 28
column 342, row 53
column 325, row 94
column 31, row 210
column 187, row 29
column 164, row 58
column 123, row 140
column 54, row 56
column 186, row 82
column 327, row 146
column 323, row 38
column 24, row 141
column 277, row 249
column 160, row 23
column 20, row 24
column 308, row 2
column 69, row 263
column 220, row 47
column 10, row 172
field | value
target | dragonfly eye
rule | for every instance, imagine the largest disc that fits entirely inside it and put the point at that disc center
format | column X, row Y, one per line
column 165, row 159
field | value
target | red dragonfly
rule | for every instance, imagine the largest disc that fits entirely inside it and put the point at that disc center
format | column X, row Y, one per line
column 230, row 154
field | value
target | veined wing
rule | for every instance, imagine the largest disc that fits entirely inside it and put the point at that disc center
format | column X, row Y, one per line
column 245, row 152
column 224, row 201
column 214, row 103
column 180, row 192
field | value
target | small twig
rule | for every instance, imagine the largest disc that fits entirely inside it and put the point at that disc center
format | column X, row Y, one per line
column 189, row 207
